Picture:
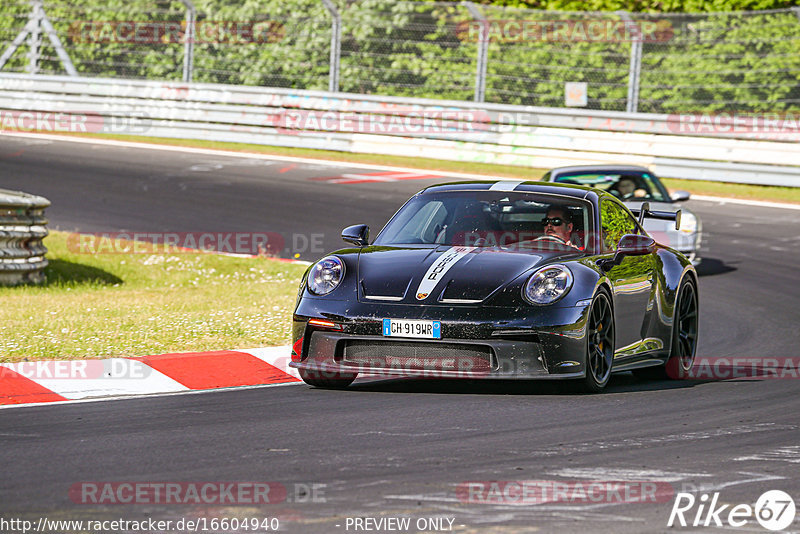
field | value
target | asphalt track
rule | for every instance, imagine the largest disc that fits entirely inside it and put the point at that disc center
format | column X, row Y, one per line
column 400, row 448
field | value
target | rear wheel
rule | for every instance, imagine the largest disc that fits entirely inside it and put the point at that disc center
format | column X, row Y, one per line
column 599, row 343
column 327, row 379
column 684, row 333
column 684, row 338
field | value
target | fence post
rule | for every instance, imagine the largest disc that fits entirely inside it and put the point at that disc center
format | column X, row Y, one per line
column 32, row 30
column 66, row 62
column 35, row 36
column 635, row 66
column 16, row 43
column 483, row 51
column 336, row 46
column 188, row 46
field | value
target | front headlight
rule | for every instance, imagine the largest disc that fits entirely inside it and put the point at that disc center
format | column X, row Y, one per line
column 547, row 285
column 326, row 275
column 688, row 223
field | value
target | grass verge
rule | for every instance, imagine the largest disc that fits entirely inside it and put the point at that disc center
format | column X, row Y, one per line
column 699, row 187
column 99, row 306
column 743, row 191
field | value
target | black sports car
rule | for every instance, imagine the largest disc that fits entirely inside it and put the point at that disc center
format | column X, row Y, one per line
column 500, row 279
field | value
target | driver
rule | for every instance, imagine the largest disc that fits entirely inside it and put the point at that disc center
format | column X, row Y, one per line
column 627, row 187
column 558, row 223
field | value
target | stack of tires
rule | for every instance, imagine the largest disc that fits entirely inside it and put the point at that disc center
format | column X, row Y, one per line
column 22, row 229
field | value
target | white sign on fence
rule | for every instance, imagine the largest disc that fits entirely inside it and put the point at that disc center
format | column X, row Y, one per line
column 575, row 94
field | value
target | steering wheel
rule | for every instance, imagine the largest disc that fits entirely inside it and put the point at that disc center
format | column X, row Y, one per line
column 551, row 238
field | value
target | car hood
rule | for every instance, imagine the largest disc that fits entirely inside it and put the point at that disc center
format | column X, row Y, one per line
column 428, row 275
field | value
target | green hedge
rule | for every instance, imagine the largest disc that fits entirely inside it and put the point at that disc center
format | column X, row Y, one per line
column 698, row 62
column 645, row 6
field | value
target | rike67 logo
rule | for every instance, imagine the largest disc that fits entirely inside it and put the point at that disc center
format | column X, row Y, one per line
column 774, row 510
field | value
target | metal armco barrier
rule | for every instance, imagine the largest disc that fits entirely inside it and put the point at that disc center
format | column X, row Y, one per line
column 22, row 228
column 671, row 145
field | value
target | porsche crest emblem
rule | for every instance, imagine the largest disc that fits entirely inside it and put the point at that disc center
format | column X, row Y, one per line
column 422, row 296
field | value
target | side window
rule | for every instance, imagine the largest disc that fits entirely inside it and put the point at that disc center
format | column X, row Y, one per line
column 615, row 222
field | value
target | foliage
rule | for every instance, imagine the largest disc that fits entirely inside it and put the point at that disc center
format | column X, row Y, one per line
column 650, row 6
column 616, row 222
column 696, row 62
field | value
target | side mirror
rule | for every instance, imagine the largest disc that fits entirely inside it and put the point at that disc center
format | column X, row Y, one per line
column 680, row 196
column 357, row 234
column 630, row 245
column 636, row 245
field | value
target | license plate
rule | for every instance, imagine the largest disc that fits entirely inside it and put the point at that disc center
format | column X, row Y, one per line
column 412, row 328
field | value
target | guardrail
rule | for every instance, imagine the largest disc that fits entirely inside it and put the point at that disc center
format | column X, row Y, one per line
column 681, row 146
column 22, row 228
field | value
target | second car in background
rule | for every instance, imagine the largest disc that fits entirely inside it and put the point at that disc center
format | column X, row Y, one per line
column 634, row 185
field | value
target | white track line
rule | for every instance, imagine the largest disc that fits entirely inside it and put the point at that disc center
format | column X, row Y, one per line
column 759, row 203
column 333, row 163
column 244, row 155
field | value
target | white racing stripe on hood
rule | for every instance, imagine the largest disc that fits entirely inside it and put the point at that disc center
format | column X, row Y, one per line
column 439, row 268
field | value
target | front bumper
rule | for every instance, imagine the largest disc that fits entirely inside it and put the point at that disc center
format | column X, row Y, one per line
column 476, row 343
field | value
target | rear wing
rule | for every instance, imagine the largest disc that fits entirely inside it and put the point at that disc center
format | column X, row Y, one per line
column 646, row 212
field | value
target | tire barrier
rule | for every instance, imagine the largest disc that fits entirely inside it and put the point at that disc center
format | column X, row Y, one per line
column 22, row 229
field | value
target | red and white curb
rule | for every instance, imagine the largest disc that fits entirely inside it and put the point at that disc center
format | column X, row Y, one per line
column 60, row 381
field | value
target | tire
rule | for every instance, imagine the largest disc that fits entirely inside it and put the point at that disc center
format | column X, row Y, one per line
column 684, row 333
column 327, row 380
column 684, row 338
column 600, row 339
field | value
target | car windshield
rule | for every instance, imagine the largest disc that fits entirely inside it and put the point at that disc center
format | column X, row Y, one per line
column 490, row 219
column 625, row 186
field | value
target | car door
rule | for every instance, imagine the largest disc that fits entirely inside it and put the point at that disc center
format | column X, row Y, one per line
column 631, row 279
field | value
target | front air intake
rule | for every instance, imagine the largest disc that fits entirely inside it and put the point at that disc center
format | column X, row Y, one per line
column 418, row 356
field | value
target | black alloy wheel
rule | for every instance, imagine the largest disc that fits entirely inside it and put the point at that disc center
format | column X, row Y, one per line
column 599, row 343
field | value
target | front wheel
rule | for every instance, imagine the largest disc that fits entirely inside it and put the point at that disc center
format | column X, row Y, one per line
column 599, row 343
column 327, row 379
